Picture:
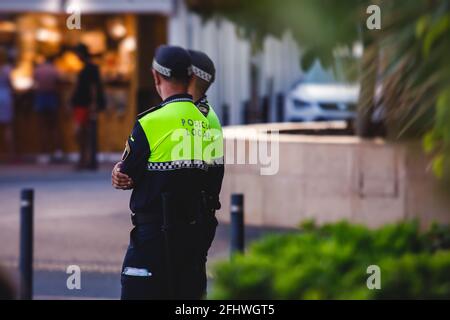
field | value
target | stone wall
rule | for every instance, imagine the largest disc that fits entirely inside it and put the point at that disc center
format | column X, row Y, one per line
column 332, row 178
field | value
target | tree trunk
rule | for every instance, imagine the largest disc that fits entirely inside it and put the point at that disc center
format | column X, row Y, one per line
column 369, row 73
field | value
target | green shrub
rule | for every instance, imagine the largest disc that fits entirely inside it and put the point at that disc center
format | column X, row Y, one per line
column 330, row 262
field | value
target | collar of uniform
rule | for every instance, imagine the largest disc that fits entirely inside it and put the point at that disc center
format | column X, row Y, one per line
column 177, row 97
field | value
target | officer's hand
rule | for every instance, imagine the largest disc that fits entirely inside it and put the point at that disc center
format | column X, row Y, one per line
column 120, row 180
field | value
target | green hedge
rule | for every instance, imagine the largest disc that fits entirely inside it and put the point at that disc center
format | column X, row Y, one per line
column 330, row 262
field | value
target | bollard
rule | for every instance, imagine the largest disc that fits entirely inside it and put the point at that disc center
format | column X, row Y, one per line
column 26, row 244
column 237, row 223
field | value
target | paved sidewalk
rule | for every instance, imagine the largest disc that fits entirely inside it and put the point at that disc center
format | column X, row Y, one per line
column 79, row 219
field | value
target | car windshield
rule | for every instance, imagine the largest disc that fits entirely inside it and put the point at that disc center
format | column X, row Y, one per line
column 318, row 75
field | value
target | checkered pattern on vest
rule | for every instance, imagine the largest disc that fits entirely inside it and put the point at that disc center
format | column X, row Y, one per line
column 178, row 164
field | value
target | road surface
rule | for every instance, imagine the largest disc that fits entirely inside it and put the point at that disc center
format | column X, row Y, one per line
column 79, row 220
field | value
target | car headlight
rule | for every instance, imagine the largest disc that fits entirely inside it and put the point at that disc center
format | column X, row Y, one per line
column 299, row 104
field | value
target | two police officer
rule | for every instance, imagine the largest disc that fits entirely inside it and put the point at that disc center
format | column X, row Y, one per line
column 173, row 161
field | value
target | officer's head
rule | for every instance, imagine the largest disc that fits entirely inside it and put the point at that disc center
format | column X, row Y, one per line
column 204, row 73
column 172, row 70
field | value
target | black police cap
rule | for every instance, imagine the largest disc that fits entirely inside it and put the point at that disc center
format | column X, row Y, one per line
column 172, row 62
column 202, row 66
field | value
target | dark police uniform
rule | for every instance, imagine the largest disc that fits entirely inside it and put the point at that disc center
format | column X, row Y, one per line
column 214, row 177
column 203, row 68
column 164, row 158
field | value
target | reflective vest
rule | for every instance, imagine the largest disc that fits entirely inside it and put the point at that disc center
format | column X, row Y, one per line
column 165, row 153
column 213, row 148
column 177, row 134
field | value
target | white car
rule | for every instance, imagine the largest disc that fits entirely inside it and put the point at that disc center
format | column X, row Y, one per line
column 321, row 102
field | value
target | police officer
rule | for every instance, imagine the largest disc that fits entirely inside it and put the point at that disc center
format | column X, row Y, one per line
column 164, row 161
column 204, row 75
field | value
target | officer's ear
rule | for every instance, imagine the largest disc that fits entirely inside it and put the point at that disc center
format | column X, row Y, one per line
column 156, row 78
column 191, row 82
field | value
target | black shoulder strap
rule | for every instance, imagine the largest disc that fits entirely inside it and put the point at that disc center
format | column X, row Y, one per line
column 203, row 106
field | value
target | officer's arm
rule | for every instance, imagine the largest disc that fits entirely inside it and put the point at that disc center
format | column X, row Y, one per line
column 136, row 154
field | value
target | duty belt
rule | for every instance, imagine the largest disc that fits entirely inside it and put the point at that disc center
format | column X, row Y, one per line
column 207, row 204
column 211, row 202
column 146, row 218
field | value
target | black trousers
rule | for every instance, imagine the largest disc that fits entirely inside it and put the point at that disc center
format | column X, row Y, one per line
column 146, row 273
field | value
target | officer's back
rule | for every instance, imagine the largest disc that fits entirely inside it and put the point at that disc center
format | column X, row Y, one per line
column 165, row 151
column 174, row 133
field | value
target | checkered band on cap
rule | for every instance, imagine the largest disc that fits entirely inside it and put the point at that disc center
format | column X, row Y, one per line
column 178, row 164
column 161, row 69
column 202, row 74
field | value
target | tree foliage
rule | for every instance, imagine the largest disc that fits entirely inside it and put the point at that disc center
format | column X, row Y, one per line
column 331, row 262
column 317, row 25
column 408, row 58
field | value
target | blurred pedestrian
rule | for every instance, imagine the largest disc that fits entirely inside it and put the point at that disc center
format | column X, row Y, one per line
column 88, row 98
column 47, row 79
column 7, row 104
